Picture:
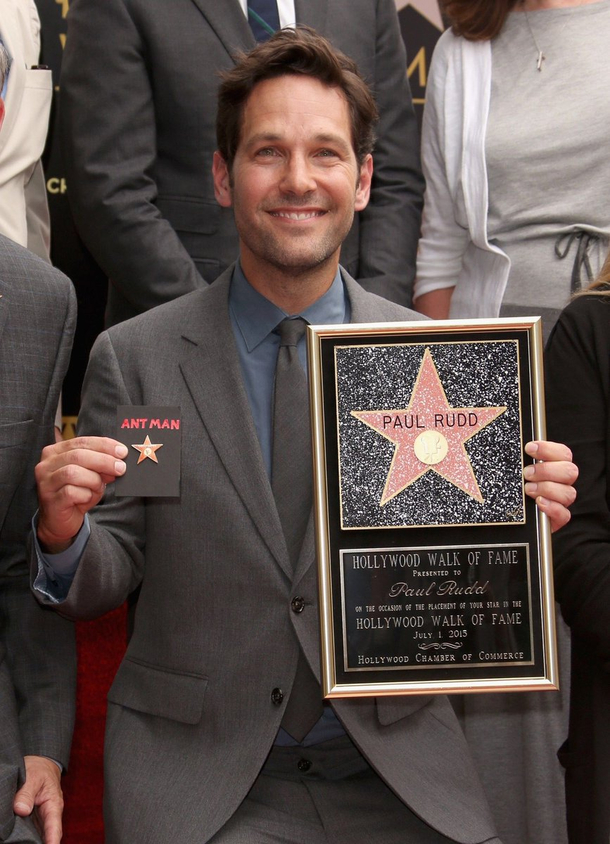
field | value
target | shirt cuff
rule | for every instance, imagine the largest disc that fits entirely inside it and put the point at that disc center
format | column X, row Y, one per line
column 56, row 571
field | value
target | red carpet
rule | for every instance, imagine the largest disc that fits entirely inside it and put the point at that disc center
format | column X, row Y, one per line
column 101, row 645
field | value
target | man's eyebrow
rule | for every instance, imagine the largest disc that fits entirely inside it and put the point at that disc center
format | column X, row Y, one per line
column 333, row 140
column 322, row 139
column 263, row 138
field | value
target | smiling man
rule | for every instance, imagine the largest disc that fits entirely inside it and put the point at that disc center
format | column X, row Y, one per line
column 294, row 185
column 216, row 725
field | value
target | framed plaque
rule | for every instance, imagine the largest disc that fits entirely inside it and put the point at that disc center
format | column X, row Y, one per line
column 434, row 566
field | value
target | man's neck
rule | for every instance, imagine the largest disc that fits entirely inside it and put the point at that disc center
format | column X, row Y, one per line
column 291, row 291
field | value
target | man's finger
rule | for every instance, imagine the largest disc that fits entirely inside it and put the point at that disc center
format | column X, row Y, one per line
column 558, row 493
column 546, row 450
column 49, row 817
column 557, row 514
column 23, row 804
column 559, row 472
column 106, row 445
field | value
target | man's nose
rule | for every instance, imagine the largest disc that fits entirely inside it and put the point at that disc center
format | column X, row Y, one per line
column 298, row 176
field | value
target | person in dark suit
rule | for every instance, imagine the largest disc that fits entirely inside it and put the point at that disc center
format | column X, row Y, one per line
column 578, row 400
column 37, row 649
column 216, row 729
column 138, row 140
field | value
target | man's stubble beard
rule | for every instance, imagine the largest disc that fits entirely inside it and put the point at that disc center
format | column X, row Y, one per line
column 311, row 253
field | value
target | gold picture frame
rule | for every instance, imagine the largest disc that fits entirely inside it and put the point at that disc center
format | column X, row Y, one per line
column 435, row 571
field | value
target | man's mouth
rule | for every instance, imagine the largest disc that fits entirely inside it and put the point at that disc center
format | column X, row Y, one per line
column 297, row 215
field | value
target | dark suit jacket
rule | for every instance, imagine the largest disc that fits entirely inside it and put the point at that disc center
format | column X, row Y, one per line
column 578, row 411
column 138, row 108
column 192, row 713
column 37, row 654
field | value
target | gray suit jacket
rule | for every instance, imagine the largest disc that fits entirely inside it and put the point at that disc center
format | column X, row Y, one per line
column 191, row 715
column 138, row 109
column 37, row 654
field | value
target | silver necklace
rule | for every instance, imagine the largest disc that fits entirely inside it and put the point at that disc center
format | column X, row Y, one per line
column 541, row 57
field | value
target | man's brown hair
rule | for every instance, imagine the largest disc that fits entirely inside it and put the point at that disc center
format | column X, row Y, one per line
column 300, row 51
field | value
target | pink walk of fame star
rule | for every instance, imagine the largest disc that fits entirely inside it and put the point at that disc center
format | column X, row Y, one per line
column 147, row 450
column 429, row 435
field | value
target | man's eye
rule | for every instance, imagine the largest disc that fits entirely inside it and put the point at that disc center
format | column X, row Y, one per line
column 327, row 153
column 266, row 151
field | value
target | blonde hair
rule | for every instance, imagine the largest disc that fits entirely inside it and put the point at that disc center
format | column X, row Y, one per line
column 601, row 285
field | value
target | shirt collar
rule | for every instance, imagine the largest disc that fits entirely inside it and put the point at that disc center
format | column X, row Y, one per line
column 256, row 316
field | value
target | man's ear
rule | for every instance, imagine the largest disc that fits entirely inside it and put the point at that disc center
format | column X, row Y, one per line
column 363, row 188
column 222, row 181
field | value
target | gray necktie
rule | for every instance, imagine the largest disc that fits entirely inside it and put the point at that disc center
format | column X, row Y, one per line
column 291, row 481
column 291, row 468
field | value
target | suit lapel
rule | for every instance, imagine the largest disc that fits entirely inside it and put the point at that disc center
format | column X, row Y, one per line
column 312, row 13
column 364, row 306
column 210, row 366
column 229, row 23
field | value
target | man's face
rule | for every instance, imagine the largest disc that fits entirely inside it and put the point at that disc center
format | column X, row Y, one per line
column 295, row 182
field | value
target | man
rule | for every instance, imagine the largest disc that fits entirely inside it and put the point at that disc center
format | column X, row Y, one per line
column 27, row 91
column 207, row 739
column 138, row 140
column 37, row 652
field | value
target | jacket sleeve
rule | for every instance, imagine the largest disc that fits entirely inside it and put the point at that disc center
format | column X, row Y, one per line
column 444, row 240
column 109, row 141
column 578, row 381
column 40, row 646
column 390, row 224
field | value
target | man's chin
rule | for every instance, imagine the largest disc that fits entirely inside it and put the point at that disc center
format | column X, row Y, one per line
column 302, row 265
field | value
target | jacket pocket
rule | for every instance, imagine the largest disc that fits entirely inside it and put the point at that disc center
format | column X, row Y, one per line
column 159, row 691
column 16, row 433
column 15, row 444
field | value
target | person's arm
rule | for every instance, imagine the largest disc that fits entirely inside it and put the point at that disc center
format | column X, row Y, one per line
column 444, row 240
column 390, row 225
column 435, row 304
column 109, row 147
column 578, row 403
column 73, row 477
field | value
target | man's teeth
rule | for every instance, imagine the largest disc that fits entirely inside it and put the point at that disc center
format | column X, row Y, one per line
column 296, row 215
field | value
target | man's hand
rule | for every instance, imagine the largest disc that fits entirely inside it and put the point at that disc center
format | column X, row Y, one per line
column 71, row 477
column 550, row 480
column 41, row 793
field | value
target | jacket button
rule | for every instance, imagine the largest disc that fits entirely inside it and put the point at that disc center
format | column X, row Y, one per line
column 277, row 696
column 297, row 604
column 303, row 765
